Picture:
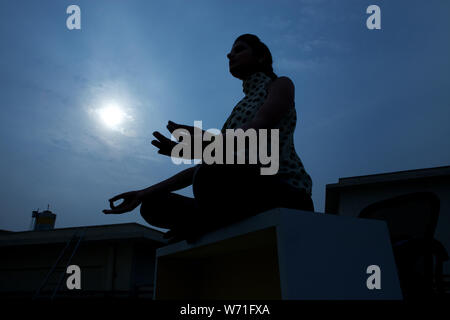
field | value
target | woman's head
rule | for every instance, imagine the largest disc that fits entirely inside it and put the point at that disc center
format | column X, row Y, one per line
column 249, row 55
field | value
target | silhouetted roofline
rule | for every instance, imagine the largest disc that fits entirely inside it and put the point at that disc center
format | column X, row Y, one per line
column 332, row 190
column 392, row 176
column 92, row 233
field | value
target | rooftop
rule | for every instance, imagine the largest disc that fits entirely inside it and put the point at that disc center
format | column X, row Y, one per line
column 333, row 190
column 91, row 233
column 436, row 172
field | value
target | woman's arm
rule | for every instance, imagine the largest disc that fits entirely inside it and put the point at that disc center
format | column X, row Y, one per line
column 179, row 181
column 132, row 199
column 280, row 98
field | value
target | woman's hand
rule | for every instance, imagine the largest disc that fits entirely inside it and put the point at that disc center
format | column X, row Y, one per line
column 172, row 126
column 130, row 201
column 165, row 145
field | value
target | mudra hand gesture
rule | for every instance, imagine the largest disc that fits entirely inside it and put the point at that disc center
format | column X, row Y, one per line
column 165, row 145
column 132, row 199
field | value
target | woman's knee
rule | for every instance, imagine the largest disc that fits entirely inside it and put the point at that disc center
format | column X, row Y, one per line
column 205, row 171
column 146, row 211
column 152, row 209
column 205, row 178
column 222, row 176
column 144, row 208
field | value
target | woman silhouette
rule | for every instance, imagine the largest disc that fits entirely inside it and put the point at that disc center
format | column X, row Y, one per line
column 226, row 193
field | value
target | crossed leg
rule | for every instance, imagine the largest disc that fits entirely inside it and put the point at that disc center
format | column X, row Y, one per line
column 223, row 194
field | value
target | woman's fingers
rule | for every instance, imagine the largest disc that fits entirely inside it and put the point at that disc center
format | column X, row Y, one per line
column 115, row 198
column 164, row 153
column 160, row 137
column 172, row 126
column 162, row 141
column 164, row 144
column 122, row 196
column 118, row 207
column 163, row 148
column 157, row 144
column 111, row 204
column 129, row 203
column 114, row 211
column 125, row 206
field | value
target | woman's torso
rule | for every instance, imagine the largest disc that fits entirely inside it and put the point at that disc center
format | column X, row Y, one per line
column 291, row 169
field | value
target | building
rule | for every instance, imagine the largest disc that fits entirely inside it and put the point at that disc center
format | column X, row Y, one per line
column 350, row 195
column 119, row 260
column 115, row 261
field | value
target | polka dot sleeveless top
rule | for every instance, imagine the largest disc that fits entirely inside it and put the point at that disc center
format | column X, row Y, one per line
column 291, row 168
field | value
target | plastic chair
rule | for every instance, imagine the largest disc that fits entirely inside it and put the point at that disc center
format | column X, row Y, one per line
column 412, row 220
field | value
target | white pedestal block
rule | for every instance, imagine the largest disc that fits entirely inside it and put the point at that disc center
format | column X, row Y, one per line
column 281, row 254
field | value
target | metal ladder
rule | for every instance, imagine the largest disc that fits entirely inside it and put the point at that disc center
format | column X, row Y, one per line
column 52, row 269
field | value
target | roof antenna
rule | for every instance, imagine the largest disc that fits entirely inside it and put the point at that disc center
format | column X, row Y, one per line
column 33, row 217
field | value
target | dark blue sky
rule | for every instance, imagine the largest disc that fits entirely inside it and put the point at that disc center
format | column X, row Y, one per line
column 368, row 101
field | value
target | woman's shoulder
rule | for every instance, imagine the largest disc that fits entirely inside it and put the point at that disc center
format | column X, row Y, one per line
column 282, row 83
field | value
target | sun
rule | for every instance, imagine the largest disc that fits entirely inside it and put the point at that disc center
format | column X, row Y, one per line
column 111, row 115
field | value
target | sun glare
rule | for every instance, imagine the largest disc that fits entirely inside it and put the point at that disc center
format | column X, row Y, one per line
column 111, row 115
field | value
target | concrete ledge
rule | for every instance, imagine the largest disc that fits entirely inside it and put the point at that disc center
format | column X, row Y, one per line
column 280, row 254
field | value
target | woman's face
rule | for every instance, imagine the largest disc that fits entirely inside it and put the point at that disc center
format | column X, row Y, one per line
column 242, row 62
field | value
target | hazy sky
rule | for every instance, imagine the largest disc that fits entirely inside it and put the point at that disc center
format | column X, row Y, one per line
column 368, row 101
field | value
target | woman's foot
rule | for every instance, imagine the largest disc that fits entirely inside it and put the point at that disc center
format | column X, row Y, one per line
column 189, row 235
column 169, row 234
column 173, row 236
